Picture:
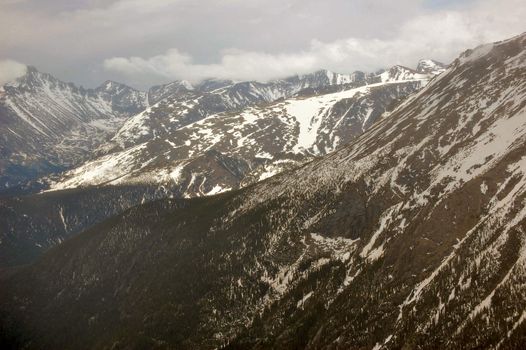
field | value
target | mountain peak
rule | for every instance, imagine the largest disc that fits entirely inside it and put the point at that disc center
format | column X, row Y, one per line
column 109, row 84
column 31, row 79
column 430, row 66
column 113, row 86
column 213, row 84
column 159, row 92
column 331, row 77
column 398, row 73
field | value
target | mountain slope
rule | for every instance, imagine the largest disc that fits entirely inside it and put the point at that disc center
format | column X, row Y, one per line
column 32, row 224
column 178, row 104
column 207, row 153
column 413, row 236
column 220, row 152
column 48, row 125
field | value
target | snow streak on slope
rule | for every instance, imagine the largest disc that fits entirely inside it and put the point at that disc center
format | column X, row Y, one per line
column 50, row 125
column 448, row 167
column 177, row 104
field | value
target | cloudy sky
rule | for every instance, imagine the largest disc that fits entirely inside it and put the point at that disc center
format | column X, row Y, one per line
column 145, row 42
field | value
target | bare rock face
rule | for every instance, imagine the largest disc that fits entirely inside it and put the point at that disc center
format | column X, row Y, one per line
column 411, row 236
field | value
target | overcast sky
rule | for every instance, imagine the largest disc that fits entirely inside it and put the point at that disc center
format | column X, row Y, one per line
column 145, row 42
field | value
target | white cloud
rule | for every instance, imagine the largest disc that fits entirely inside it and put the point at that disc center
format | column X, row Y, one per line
column 234, row 64
column 440, row 35
column 10, row 70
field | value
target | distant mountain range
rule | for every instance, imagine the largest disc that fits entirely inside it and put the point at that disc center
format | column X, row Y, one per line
column 200, row 141
column 49, row 126
column 412, row 235
column 188, row 141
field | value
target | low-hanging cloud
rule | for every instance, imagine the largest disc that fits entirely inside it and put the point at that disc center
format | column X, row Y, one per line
column 10, row 70
column 440, row 35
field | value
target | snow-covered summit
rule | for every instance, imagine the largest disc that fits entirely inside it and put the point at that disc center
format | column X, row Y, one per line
column 401, row 73
column 430, row 66
column 48, row 124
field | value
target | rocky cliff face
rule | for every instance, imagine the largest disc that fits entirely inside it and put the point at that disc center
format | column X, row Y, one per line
column 412, row 236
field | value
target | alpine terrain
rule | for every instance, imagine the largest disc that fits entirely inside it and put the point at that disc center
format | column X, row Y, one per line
column 48, row 125
column 202, row 140
column 412, row 235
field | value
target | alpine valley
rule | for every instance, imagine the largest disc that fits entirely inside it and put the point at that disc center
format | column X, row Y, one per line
column 325, row 211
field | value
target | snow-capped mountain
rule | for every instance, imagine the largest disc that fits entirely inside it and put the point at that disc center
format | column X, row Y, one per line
column 430, row 66
column 160, row 92
column 179, row 103
column 68, row 125
column 207, row 142
column 225, row 150
column 48, row 125
column 398, row 73
column 424, row 69
column 412, row 236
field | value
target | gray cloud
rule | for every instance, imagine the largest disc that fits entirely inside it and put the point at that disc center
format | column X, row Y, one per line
column 146, row 42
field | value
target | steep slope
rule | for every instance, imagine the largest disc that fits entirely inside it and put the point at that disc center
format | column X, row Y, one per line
column 48, row 125
column 413, row 236
column 206, row 153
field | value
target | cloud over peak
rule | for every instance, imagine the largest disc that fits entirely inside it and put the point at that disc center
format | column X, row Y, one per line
column 441, row 35
column 10, row 70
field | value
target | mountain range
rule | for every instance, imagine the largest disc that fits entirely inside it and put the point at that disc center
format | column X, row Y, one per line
column 206, row 151
column 190, row 141
column 406, row 230
column 50, row 126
